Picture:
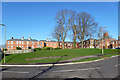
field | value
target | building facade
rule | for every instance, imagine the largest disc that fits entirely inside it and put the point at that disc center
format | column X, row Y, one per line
column 23, row 43
column 107, row 42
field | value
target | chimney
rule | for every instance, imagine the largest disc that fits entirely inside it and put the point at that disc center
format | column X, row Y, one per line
column 106, row 34
column 22, row 38
column 11, row 37
column 49, row 39
column 90, row 36
column 118, row 37
column 29, row 38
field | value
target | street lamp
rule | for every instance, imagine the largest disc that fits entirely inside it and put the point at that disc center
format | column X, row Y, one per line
column 102, row 40
column 4, row 40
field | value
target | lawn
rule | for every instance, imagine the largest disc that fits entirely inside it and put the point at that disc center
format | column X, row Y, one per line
column 71, row 53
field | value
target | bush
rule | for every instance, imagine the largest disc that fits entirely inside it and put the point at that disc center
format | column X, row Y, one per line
column 47, row 48
column 4, row 49
column 18, row 48
column 57, row 48
column 37, row 49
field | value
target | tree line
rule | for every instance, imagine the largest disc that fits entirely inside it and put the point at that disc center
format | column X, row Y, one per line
column 81, row 25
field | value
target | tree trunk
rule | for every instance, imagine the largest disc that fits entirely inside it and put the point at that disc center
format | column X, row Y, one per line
column 82, row 42
column 58, row 43
column 74, row 42
column 63, row 46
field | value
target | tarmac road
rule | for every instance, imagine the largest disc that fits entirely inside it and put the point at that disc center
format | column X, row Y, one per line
column 107, row 68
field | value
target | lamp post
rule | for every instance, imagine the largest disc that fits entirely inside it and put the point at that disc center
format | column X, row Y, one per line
column 4, row 41
column 102, row 40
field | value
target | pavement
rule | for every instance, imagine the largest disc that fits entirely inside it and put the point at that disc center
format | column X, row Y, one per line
column 107, row 68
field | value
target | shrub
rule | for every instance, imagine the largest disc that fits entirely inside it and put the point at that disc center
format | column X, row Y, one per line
column 47, row 48
column 37, row 49
column 57, row 48
column 29, row 47
column 4, row 49
column 18, row 48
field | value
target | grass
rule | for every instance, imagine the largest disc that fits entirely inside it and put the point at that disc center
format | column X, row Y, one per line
column 71, row 53
column 96, row 58
column 88, row 59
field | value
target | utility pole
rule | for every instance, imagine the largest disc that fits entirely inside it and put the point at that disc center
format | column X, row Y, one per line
column 4, row 41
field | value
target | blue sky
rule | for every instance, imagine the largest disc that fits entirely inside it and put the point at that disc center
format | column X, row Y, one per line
column 37, row 19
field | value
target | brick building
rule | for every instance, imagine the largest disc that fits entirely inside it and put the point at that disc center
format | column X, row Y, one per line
column 89, row 43
column 23, row 43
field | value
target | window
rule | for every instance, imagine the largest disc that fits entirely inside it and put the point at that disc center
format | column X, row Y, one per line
column 41, row 43
column 22, row 47
column 113, row 42
column 32, row 47
column 38, row 43
column 8, row 42
column 17, row 42
column 60, row 43
column 84, row 43
column 119, row 42
column 8, row 47
column 32, row 42
column 11, row 42
column 107, row 44
column 47, row 44
column 27, row 42
column 68, row 44
column 22, row 42
column 91, row 42
column 11, row 47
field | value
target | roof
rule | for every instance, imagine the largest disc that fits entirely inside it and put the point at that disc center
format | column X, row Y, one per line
column 113, row 41
column 48, row 41
column 22, row 40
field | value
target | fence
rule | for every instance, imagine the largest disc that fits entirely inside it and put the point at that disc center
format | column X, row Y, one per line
column 19, row 51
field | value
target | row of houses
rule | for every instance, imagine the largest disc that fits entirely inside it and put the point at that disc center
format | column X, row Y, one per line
column 108, row 42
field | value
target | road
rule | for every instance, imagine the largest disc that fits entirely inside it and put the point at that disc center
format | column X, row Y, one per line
column 107, row 68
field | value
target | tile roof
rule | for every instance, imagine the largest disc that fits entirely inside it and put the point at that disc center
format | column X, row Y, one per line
column 22, row 40
column 49, row 41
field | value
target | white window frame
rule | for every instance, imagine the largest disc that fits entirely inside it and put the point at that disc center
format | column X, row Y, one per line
column 8, row 42
column 11, row 42
column 32, row 47
column 22, row 42
column 38, row 42
column 33, row 42
column 27, row 42
column 17, row 42
column 68, row 44
column 8, row 47
column 60, row 43
column 11, row 47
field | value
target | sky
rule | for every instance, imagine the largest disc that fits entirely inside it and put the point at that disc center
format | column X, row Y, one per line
column 37, row 19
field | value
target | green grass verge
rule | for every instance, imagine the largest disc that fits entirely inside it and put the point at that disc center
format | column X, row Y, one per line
column 88, row 59
column 71, row 53
column 96, row 58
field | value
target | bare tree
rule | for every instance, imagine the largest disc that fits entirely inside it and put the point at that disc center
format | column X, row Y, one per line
column 86, row 25
column 57, row 34
column 63, row 20
column 73, row 27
